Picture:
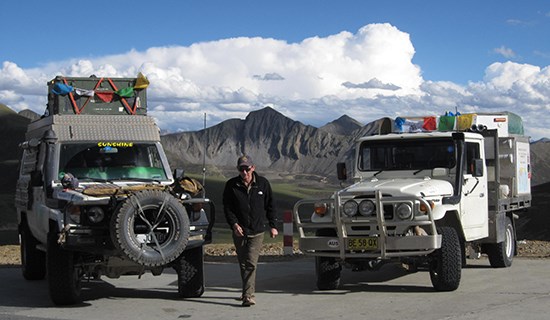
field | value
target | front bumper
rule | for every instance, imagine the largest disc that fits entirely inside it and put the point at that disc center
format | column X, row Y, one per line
column 390, row 240
column 393, row 247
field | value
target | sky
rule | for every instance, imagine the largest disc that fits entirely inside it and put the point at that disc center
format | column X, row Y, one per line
column 311, row 60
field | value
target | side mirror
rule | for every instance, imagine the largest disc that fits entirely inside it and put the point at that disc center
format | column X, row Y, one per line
column 341, row 171
column 478, row 168
column 178, row 173
column 32, row 143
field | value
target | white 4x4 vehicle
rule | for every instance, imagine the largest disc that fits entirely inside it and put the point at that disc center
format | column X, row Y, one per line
column 96, row 196
column 422, row 199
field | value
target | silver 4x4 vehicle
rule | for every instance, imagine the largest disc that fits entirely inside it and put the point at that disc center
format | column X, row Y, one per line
column 96, row 196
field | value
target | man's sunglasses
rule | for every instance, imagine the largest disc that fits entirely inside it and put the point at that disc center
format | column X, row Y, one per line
column 245, row 169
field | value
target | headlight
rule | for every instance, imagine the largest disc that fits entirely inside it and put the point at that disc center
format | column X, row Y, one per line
column 74, row 213
column 320, row 208
column 367, row 208
column 404, row 211
column 350, row 208
column 96, row 214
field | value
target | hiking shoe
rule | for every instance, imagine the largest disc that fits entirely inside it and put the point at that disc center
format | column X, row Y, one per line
column 248, row 301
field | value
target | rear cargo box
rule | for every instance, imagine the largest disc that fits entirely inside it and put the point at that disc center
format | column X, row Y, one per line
column 107, row 96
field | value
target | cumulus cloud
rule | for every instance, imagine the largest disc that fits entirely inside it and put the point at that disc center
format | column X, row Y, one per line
column 366, row 74
column 505, row 52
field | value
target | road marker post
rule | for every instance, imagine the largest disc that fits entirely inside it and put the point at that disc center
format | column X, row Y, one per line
column 287, row 233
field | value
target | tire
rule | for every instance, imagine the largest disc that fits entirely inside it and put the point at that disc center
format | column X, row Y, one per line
column 327, row 269
column 148, row 235
column 446, row 263
column 501, row 254
column 64, row 279
column 33, row 261
column 190, row 270
column 328, row 272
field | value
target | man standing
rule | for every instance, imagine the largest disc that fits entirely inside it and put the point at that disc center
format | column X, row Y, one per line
column 247, row 201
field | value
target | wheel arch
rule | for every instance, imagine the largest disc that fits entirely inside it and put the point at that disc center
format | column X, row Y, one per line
column 513, row 217
column 451, row 219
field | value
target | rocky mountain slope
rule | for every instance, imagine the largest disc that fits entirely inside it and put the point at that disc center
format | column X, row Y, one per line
column 12, row 132
column 540, row 162
column 275, row 142
column 344, row 126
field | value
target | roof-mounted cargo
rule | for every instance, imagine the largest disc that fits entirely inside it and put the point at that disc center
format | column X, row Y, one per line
column 97, row 96
column 506, row 123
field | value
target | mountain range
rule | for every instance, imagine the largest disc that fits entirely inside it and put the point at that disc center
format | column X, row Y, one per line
column 275, row 142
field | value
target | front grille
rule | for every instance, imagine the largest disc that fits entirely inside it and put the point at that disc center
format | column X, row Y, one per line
column 388, row 211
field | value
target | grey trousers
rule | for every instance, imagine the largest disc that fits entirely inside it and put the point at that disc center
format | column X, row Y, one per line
column 248, row 251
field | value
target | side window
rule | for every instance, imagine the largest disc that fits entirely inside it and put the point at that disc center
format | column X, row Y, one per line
column 30, row 166
column 30, row 157
column 472, row 152
column 365, row 161
column 154, row 158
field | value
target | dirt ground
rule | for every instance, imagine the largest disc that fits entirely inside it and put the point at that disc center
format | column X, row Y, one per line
column 532, row 249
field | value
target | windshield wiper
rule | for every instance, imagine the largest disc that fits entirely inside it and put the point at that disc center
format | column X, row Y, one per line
column 140, row 179
column 94, row 179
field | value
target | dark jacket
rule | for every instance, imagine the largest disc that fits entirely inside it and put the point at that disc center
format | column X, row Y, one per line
column 249, row 208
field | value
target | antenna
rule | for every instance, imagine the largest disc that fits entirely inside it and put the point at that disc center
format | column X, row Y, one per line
column 204, row 161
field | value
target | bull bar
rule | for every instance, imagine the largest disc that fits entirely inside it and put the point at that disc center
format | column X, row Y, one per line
column 389, row 246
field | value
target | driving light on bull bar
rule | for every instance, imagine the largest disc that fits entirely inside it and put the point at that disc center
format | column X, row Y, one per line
column 424, row 209
column 96, row 214
column 367, row 208
column 320, row 208
column 74, row 213
column 350, row 208
column 404, row 211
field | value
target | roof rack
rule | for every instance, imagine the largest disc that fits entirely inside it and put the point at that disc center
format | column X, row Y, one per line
column 97, row 96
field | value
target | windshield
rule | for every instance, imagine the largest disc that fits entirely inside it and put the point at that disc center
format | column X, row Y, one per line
column 111, row 161
column 409, row 154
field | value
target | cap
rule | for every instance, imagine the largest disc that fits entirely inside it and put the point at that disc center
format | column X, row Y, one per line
column 245, row 161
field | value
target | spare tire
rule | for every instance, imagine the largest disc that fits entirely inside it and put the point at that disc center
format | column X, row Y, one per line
column 150, row 227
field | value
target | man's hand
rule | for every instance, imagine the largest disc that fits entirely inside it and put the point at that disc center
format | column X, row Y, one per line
column 238, row 230
column 274, row 232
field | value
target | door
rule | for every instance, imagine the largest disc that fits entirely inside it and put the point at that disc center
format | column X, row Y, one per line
column 474, row 210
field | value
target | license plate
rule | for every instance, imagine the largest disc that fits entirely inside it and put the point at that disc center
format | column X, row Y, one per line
column 363, row 243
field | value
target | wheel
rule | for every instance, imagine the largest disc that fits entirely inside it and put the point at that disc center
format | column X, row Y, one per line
column 327, row 269
column 328, row 272
column 190, row 270
column 501, row 254
column 33, row 261
column 446, row 262
column 151, row 228
column 64, row 279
